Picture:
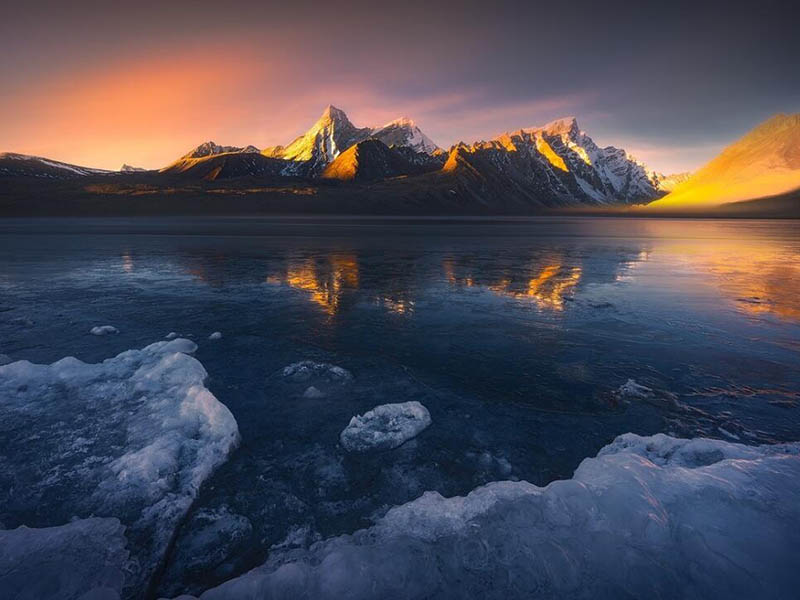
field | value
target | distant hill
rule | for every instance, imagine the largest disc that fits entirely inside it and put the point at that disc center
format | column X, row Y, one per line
column 225, row 166
column 23, row 165
column 763, row 163
column 667, row 183
column 126, row 168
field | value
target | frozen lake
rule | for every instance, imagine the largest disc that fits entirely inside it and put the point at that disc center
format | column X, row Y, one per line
column 516, row 335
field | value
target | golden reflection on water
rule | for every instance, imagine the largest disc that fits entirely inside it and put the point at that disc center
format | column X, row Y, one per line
column 547, row 286
column 759, row 279
column 127, row 262
column 325, row 281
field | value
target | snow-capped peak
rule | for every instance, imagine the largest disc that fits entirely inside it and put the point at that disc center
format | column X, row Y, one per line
column 400, row 122
column 565, row 126
column 404, row 132
column 210, row 148
column 331, row 114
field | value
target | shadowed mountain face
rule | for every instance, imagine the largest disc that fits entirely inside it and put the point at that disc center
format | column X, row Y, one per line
column 765, row 162
column 370, row 160
column 226, row 165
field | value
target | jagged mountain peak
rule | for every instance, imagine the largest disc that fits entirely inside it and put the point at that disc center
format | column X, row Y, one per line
column 332, row 114
column 210, row 148
column 563, row 127
column 401, row 122
column 404, row 132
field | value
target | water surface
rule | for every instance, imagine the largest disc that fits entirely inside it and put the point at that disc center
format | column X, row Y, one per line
column 515, row 333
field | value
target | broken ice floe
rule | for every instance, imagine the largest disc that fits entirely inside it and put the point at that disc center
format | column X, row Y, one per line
column 312, row 392
column 103, row 330
column 631, row 390
column 306, row 369
column 85, row 559
column 385, row 427
column 634, row 522
column 131, row 437
column 217, row 335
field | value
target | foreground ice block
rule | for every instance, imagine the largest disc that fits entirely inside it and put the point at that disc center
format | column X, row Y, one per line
column 385, row 427
column 649, row 517
column 133, row 437
column 85, row 559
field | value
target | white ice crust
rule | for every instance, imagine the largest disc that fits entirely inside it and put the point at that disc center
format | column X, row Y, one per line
column 85, row 559
column 133, row 437
column 649, row 517
column 103, row 330
column 385, row 427
column 307, row 369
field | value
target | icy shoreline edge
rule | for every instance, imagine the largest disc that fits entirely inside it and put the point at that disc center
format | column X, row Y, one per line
column 130, row 439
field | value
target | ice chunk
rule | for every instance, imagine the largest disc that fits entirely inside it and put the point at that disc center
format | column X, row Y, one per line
column 633, row 522
column 103, row 330
column 85, row 559
column 631, row 389
column 312, row 392
column 306, row 369
column 132, row 437
column 211, row 536
column 385, row 427
column 171, row 335
column 217, row 335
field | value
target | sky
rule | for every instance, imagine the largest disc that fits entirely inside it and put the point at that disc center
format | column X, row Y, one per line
column 105, row 83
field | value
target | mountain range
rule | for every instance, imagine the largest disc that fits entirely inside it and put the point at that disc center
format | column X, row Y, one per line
column 336, row 166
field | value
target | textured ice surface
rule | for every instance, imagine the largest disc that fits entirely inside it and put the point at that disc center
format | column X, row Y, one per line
column 631, row 389
column 649, row 517
column 85, row 559
column 385, row 427
column 213, row 535
column 103, row 330
column 132, row 437
column 308, row 369
column 312, row 392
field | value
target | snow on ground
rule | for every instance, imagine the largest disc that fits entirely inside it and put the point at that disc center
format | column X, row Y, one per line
column 85, row 559
column 649, row 517
column 103, row 330
column 132, row 437
column 385, row 427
